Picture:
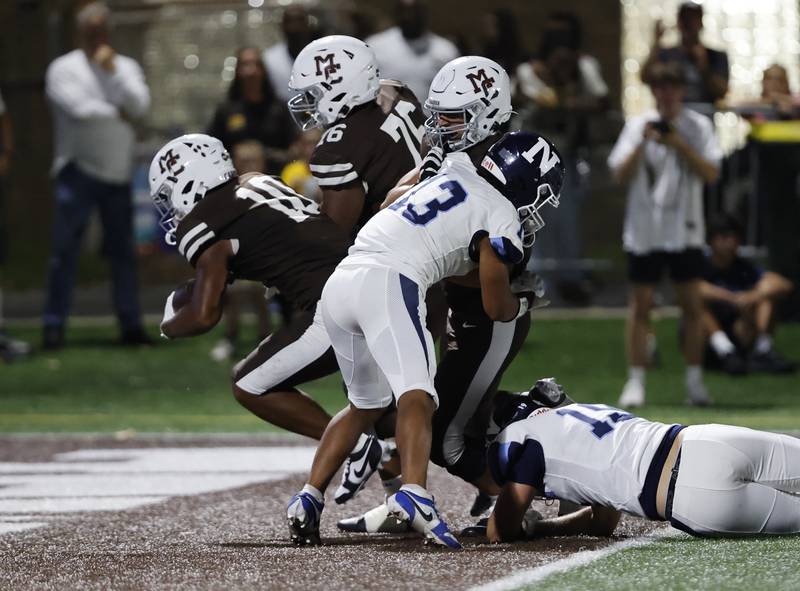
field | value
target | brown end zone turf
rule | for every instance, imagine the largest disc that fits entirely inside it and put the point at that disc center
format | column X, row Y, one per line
column 237, row 539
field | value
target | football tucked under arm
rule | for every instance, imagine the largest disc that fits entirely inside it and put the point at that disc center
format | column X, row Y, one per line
column 182, row 294
column 176, row 300
column 197, row 304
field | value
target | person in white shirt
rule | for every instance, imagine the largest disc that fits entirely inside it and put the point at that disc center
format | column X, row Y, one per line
column 94, row 94
column 279, row 58
column 409, row 52
column 706, row 480
column 666, row 156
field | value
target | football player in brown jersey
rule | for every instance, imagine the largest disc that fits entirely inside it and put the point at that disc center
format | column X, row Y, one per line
column 372, row 134
column 251, row 227
column 372, row 128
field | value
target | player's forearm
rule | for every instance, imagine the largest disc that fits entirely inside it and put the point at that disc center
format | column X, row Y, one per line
column 395, row 193
column 588, row 521
column 189, row 322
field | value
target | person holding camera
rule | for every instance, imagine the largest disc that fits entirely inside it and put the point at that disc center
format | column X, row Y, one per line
column 665, row 156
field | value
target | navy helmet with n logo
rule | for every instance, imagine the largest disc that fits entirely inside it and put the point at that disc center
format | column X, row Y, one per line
column 528, row 170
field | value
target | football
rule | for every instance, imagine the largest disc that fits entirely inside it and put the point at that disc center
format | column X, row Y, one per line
column 183, row 294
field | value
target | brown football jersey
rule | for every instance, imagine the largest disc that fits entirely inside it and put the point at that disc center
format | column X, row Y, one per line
column 279, row 237
column 374, row 146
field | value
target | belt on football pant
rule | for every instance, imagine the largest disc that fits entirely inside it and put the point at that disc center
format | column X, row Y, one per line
column 654, row 493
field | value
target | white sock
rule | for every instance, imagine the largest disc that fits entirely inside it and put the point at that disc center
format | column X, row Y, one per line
column 636, row 374
column 763, row 344
column 392, row 485
column 314, row 492
column 694, row 374
column 721, row 344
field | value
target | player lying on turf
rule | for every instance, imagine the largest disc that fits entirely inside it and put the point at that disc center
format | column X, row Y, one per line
column 374, row 310
column 372, row 134
column 707, row 480
column 470, row 104
column 254, row 228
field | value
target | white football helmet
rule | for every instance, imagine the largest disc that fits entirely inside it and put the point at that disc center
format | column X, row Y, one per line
column 181, row 173
column 330, row 77
column 475, row 91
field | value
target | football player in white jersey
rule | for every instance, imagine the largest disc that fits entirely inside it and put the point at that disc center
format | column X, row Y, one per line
column 373, row 307
column 707, row 480
column 470, row 104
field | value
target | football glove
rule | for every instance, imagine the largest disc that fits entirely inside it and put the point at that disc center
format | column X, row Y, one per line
column 528, row 281
column 169, row 312
column 431, row 164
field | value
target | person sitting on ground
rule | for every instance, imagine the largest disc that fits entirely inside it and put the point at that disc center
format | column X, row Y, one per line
column 739, row 306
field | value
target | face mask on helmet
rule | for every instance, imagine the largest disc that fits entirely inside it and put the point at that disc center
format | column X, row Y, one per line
column 304, row 108
column 162, row 199
column 180, row 175
column 530, row 216
column 455, row 129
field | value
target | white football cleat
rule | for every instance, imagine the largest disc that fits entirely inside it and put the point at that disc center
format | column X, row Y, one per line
column 367, row 456
column 374, row 521
column 415, row 505
column 302, row 516
column 632, row 395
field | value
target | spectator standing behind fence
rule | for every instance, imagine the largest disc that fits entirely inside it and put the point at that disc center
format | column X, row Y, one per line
column 252, row 112
column 94, row 94
column 10, row 349
column 279, row 58
column 705, row 69
column 409, row 52
column 666, row 155
column 558, row 91
column 739, row 306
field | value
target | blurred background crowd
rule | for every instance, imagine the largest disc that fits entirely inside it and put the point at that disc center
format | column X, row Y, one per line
column 89, row 91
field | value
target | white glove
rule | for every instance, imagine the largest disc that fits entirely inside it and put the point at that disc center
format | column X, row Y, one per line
column 530, row 282
column 529, row 521
column 169, row 313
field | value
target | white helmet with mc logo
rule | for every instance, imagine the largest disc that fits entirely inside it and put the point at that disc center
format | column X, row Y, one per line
column 330, row 77
column 469, row 99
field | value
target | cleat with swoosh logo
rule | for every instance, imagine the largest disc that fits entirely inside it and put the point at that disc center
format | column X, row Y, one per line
column 303, row 515
column 367, row 456
column 418, row 509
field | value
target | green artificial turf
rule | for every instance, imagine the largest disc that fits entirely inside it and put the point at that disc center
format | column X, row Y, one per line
column 94, row 385
column 689, row 564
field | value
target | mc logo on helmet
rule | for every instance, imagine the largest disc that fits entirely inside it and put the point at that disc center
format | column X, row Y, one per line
column 547, row 160
column 480, row 81
column 168, row 161
column 329, row 69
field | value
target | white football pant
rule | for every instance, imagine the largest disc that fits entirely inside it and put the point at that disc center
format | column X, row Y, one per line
column 734, row 480
column 375, row 318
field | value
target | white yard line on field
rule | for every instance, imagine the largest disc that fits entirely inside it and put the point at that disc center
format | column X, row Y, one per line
column 527, row 577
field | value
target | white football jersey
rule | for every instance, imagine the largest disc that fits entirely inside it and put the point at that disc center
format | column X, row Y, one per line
column 431, row 231
column 584, row 453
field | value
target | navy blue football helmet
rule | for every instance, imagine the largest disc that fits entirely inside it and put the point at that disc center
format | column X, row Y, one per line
column 528, row 170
